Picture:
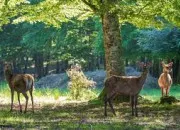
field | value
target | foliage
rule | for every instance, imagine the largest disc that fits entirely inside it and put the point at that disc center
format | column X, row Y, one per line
column 160, row 43
column 138, row 12
column 79, row 84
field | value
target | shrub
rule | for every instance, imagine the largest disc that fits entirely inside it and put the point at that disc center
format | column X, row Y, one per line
column 79, row 85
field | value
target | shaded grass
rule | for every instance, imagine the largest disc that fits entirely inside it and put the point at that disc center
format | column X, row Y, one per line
column 90, row 115
column 64, row 114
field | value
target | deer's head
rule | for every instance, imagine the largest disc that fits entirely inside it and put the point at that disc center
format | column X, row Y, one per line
column 145, row 65
column 167, row 68
column 8, row 67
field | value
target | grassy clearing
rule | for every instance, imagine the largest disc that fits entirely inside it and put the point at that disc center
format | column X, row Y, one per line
column 53, row 110
column 155, row 94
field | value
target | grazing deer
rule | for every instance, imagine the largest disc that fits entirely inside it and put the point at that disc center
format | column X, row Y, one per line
column 21, row 83
column 125, row 85
column 165, row 80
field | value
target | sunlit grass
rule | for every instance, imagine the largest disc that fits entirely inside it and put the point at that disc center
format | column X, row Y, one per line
column 155, row 94
column 54, row 110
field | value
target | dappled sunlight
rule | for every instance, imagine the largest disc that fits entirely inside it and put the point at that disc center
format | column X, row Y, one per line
column 54, row 109
column 63, row 111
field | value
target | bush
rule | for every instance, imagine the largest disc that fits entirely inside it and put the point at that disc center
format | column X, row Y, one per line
column 79, row 85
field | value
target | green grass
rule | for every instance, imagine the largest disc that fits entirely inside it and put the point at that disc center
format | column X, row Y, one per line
column 53, row 110
column 155, row 94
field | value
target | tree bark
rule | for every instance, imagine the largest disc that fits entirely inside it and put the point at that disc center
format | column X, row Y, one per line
column 39, row 67
column 178, row 72
column 112, row 45
column 113, row 49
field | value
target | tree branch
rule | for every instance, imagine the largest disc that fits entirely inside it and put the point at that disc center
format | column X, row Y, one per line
column 93, row 7
column 143, row 7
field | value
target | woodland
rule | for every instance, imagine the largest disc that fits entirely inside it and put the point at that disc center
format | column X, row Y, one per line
column 47, row 37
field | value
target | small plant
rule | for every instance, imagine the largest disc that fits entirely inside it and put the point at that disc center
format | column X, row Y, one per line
column 79, row 85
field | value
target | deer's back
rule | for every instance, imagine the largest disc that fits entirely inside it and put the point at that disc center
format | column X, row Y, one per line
column 164, row 80
column 22, row 82
column 122, row 84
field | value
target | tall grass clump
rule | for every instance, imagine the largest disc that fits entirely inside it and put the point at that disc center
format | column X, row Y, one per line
column 79, row 85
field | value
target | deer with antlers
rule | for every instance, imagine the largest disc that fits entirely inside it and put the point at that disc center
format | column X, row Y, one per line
column 165, row 80
column 125, row 85
column 21, row 83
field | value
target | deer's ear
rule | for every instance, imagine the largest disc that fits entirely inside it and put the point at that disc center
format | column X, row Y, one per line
column 162, row 63
column 170, row 64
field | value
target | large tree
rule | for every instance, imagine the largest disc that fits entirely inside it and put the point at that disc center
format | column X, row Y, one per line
column 149, row 13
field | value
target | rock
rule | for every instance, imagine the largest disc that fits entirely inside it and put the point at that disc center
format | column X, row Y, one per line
column 168, row 99
column 53, row 81
column 61, row 80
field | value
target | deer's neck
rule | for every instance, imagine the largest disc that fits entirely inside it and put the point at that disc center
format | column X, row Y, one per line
column 9, row 76
column 143, row 77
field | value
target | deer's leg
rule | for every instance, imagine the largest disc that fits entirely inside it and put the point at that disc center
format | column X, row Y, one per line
column 112, row 109
column 20, row 107
column 31, row 94
column 135, row 102
column 132, row 104
column 12, row 99
column 26, row 96
column 166, row 91
column 162, row 91
column 105, row 106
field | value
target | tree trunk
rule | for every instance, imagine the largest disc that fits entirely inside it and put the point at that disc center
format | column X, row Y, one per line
column 178, row 72
column 47, row 65
column 155, row 68
column 39, row 67
column 57, row 67
column 127, row 62
column 25, row 65
column 113, row 47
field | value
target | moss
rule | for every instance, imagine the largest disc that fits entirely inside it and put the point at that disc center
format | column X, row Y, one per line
column 168, row 100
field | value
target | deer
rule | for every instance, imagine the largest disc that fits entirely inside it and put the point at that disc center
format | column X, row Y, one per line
column 21, row 83
column 125, row 85
column 165, row 80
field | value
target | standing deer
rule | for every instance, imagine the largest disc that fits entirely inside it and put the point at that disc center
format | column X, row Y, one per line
column 21, row 83
column 125, row 85
column 165, row 80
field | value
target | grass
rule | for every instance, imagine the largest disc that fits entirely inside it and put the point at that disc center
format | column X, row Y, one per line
column 155, row 94
column 53, row 110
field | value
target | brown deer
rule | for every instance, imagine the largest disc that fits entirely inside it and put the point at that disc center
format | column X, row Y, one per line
column 21, row 83
column 125, row 85
column 165, row 80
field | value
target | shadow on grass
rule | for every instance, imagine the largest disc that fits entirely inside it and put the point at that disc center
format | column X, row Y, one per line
column 89, row 115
